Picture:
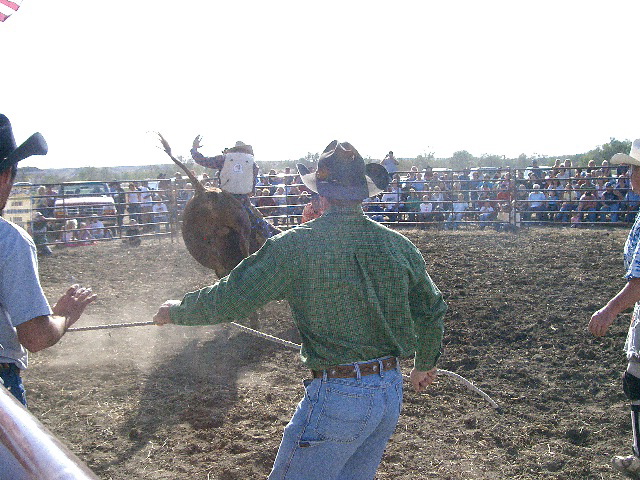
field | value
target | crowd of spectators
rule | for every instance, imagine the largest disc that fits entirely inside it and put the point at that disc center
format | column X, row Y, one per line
column 560, row 194
column 503, row 198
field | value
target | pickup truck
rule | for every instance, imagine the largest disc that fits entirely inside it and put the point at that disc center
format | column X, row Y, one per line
column 82, row 199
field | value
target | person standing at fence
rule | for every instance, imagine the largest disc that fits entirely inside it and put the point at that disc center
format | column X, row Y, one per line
column 27, row 322
column 390, row 163
column 133, row 202
column 361, row 298
column 628, row 297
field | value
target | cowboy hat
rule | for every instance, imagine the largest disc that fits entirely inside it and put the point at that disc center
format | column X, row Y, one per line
column 9, row 153
column 343, row 175
column 632, row 159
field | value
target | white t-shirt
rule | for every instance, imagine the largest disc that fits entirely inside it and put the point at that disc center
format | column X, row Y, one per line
column 21, row 296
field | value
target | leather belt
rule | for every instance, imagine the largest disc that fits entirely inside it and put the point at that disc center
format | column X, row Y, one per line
column 349, row 371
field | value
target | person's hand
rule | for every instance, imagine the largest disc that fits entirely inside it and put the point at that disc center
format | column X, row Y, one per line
column 196, row 142
column 600, row 322
column 73, row 302
column 421, row 379
column 162, row 317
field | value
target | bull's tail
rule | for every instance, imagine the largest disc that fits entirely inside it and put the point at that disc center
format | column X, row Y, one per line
column 194, row 181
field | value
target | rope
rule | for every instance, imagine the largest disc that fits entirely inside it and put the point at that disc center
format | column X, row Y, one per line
column 105, row 327
column 266, row 336
column 458, row 378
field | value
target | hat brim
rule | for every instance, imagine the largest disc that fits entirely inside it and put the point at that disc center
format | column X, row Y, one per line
column 34, row 145
column 624, row 159
column 377, row 179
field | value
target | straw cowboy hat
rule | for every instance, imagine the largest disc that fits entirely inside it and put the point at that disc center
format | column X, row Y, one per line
column 10, row 154
column 632, row 159
column 343, row 175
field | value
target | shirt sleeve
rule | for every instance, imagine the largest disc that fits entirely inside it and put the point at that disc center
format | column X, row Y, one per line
column 428, row 309
column 210, row 162
column 257, row 280
column 21, row 294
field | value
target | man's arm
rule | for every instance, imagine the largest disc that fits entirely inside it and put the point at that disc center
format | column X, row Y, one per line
column 44, row 331
column 216, row 162
column 625, row 298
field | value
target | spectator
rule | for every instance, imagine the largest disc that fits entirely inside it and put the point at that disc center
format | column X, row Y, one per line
column 457, row 213
column 521, row 204
column 393, row 202
column 41, row 202
column 133, row 202
column 600, row 187
column 96, row 228
column 84, row 235
column 485, row 214
column 622, row 185
column 265, row 203
column 475, row 187
column 552, row 201
column 294, row 209
column 566, row 173
column 280, row 210
column 537, row 203
column 503, row 222
column 120, row 199
column 426, row 209
column 438, row 201
column 568, row 203
column 536, row 172
column 503, row 197
column 39, row 229
column 390, row 163
column 611, row 200
column 146, row 203
column 315, row 208
column 160, row 214
column 588, row 203
column 70, row 233
column 373, row 208
column 413, row 204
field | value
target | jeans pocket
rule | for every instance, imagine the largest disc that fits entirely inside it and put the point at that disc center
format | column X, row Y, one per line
column 345, row 413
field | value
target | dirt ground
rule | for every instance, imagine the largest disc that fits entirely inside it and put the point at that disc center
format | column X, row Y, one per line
column 211, row 402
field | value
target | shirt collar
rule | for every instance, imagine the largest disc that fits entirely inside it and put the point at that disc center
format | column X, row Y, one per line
column 344, row 210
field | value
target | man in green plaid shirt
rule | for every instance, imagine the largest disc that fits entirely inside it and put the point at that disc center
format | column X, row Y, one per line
column 361, row 299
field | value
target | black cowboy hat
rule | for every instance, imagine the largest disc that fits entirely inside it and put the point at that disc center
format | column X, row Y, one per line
column 10, row 154
column 343, row 175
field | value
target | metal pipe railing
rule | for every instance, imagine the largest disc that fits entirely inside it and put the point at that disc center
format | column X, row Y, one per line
column 30, row 450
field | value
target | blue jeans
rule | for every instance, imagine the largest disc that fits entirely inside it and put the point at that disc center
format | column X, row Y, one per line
column 340, row 428
column 13, row 382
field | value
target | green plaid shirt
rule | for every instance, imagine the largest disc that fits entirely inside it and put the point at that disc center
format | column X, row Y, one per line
column 357, row 291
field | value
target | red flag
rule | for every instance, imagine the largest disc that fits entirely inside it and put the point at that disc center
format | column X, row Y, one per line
column 7, row 7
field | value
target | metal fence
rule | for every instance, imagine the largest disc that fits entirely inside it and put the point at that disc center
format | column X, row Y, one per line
column 77, row 213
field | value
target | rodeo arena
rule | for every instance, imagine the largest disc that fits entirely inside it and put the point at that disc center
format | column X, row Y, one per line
column 523, row 257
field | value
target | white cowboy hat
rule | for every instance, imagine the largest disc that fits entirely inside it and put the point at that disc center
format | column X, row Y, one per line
column 632, row 159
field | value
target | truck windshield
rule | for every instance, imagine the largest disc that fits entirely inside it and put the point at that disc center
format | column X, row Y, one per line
column 84, row 189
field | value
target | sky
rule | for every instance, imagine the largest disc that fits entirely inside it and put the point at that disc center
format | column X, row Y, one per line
column 98, row 79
